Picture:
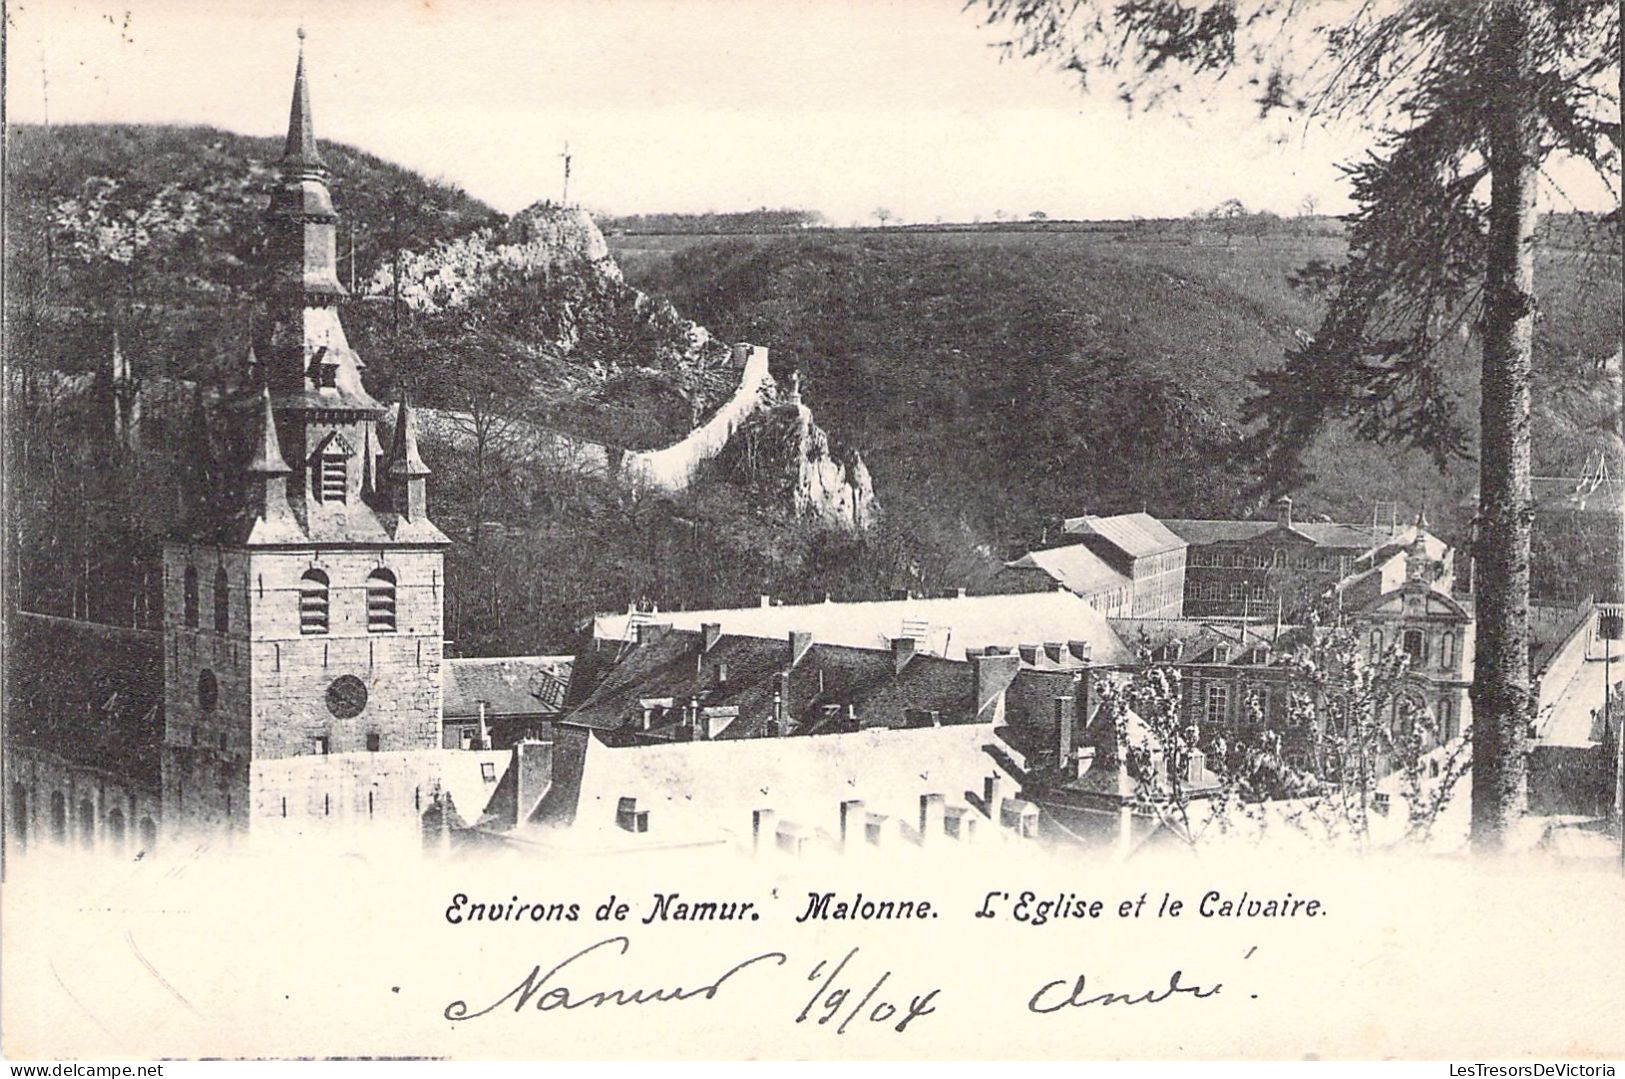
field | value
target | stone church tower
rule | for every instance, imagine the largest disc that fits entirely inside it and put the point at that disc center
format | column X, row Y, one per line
column 302, row 626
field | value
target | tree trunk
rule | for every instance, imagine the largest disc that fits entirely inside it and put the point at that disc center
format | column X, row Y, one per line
column 1501, row 692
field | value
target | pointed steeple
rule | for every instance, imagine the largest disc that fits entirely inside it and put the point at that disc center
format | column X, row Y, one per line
column 300, row 149
column 407, row 471
column 267, row 459
column 404, row 459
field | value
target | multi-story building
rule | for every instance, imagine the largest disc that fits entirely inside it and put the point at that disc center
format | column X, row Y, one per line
column 1126, row 566
column 1238, row 569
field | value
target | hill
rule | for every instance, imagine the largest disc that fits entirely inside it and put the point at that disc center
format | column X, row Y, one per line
column 995, row 379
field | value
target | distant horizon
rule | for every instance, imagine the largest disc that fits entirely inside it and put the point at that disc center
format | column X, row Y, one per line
column 844, row 107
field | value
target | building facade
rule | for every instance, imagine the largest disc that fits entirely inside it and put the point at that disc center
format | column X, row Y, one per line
column 1259, row 569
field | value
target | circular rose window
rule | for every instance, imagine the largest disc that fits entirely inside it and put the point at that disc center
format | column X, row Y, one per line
column 347, row 696
column 208, row 690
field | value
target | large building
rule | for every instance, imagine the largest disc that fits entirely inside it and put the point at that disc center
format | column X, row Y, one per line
column 1125, row 566
column 1256, row 569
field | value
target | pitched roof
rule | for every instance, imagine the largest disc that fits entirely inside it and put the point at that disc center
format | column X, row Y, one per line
column 1138, row 535
column 512, row 685
column 1319, row 533
column 1075, row 568
column 88, row 693
column 949, row 627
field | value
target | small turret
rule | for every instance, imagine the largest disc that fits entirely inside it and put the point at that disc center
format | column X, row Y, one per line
column 407, row 472
column 268, row 470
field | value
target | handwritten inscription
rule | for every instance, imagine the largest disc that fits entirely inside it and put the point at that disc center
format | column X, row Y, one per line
column 547, row 992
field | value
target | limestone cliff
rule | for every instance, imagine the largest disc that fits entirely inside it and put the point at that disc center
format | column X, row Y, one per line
column 785, row 459
column 730, row 393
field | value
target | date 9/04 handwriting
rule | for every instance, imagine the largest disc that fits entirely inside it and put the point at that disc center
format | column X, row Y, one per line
column 848, row 990
column 550, row 991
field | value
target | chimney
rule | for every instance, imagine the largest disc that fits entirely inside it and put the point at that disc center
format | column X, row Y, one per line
column 799, row 644
column 1283, row 511
column 710, row 632
column 854, row 825
column 1081, row 650
column 533, row 773
column 650, row 632
column 767, row 601
column 1056, row 651
column 1029, row 654
column 1065, row 728
column 992, row 795
column 629, row 818
column 933, row 812
column 781, row 704
column 902, row 650
column 763, row 823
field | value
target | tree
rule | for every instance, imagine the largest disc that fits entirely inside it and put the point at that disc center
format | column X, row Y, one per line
column 1462, row 96
column 883, row 216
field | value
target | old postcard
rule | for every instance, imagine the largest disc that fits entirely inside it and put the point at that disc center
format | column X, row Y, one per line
column 1022, row 529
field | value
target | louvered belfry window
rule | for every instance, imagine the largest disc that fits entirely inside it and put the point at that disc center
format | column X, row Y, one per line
column 381, row 601
column 313, row 602
column 330, row 477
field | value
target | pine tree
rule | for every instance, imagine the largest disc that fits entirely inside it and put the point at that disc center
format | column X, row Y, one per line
column 1470, row 100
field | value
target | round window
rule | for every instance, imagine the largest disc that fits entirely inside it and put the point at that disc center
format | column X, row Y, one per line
column 208, row 690
column 347, row 696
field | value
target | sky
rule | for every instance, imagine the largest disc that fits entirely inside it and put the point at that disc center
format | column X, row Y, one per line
column 843, row 106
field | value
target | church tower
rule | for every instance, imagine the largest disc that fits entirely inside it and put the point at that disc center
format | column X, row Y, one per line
column 303, row 627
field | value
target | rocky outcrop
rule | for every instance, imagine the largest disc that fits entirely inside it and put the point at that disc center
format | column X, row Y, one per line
column 789, row 459
column 783, row 457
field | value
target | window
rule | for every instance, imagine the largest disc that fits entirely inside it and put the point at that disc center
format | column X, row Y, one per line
column 381, row 601
column 313, row 602
column 189, row 600
column 1218, row 703
column 1221, row 653
column 373, row 741
column 1447, row 651
column 1416, row 646
column 318, row 745
column 208, row 690
column 1376, row 643
column 331, row 475
column 488, row 772
column 222, row 601
column 1445, row 714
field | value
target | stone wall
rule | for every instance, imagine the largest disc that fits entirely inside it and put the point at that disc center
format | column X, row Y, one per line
column 673, row 468
column 51, row 801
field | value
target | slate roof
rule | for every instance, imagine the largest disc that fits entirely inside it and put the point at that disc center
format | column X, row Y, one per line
column 1199, row 641
column 951, row 627
column 1319, row 533
column 1138, row 535
column 1075, row 568
column 831, row 688
column 93, row 695
column 510, row 686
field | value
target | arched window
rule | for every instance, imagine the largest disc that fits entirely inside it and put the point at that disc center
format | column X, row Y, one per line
column 19, row 813
column 59, row 817
column 1376, row 643
column 381, row 601
column 149, row 833
column 222, row 601
column 1446, row 715
column 1416, row 646
column 313, row 602
column 115, row 828
column 1447, row 651
column 189, row 597
column 87, row 823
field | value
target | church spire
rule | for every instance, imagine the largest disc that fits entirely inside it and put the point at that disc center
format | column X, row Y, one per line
column 300, row 149
column 267, row 459
column 407, row 471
